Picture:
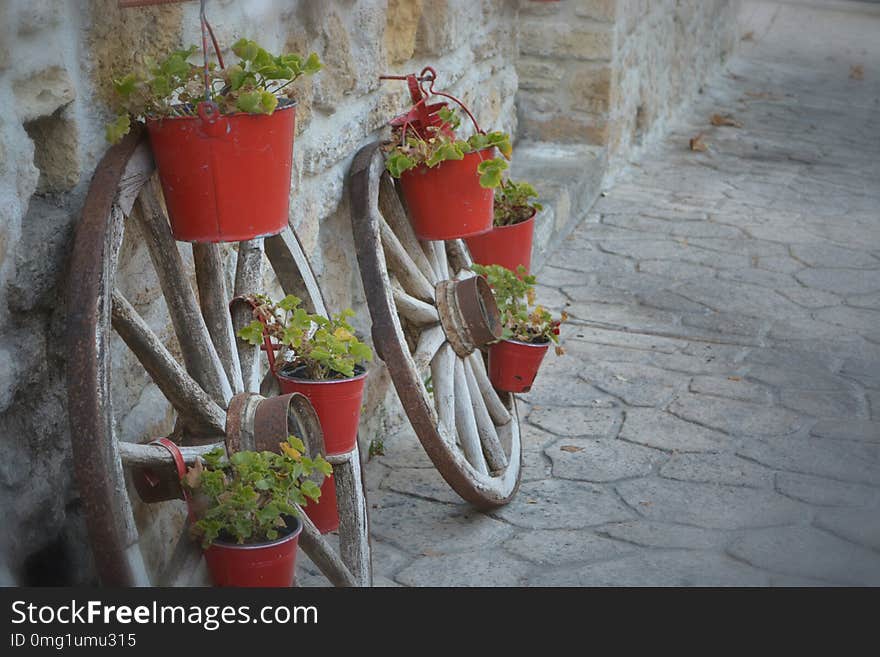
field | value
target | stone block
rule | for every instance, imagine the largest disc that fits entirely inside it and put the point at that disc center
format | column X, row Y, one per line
column 591, row 87
column 401, row 27
column 561, row 41
column 598, row 10
column 43, row 92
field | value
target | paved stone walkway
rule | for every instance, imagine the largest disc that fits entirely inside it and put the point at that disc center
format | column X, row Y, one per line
column 717, row 418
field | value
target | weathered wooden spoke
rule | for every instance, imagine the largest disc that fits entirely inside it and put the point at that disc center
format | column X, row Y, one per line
column 470, row 432
column 199, row 386
column 214, row 301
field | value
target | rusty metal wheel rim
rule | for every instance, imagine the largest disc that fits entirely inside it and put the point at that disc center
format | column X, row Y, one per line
column 400, row 277
column 124, row 190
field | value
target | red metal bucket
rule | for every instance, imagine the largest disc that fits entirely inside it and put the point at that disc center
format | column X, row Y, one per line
column 260, row 564
column 514, row 365
column 225, row 178
column 324, row 513
column 447, row 202
column 508, row 246
column 338, row 405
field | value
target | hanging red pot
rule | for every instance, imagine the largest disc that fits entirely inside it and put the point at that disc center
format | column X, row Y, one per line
column 258, row 564
column 337, row 403
column 513, row 365
column 324, row 513
column 446, row 202
column 225, row 178
column 508, row 246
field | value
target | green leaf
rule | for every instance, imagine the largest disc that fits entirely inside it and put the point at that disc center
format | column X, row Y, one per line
column 269, row 102
column 115, row 131
column 290, row 302
column 252, row 333
column 125, row 86
column 397, row 163
column 311, row 489
column 490, row 172
column 313, row 64
column 246, row 49
column 250, row 102
column 296, row 443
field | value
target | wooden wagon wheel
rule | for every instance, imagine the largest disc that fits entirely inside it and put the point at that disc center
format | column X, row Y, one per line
column 426, row 309
column 213, row 392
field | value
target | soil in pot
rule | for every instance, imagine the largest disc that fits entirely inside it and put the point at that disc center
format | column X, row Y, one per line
column 514, row 365
column 447, row 201
column 258, row 564
column 225, row 178
column 508, row 246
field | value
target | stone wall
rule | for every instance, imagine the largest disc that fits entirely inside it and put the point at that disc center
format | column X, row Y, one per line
column 56, row 62
column 610, row 72
column 591, row 73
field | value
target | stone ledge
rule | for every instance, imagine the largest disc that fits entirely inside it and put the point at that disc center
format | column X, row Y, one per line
column 568, row 177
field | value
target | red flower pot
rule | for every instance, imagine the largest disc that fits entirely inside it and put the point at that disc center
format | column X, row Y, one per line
column 447, row 201
column 513, row 365
column 508, row 246
column 225, row 178
column 257, row 564
column 324, row 513
column 337, row 403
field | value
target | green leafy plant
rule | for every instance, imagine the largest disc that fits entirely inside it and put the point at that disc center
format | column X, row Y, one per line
column 174, row 86
column 408, row 150
column 246, row 498
column 522, row 319
column 513, row 204
column 326, row 348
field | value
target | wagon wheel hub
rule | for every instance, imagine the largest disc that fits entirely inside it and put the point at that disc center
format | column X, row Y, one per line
column 468, row 314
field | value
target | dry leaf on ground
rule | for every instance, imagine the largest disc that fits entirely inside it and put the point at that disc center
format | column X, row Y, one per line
column 697, row 143
column 857, row 72
column 720, row 119
column 571, row 448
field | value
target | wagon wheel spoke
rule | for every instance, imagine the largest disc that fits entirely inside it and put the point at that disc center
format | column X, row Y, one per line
column 199, row 354
column 499, row 413
column 465, row 423
column 416, row 311
column 443, row 383
column 492, row 448
column 248, row 280
column 437, row 254
column 459, row 256
column 291, row 266
column 201, row 413
column 354, row 535
column 404, row 268
column 214, row 301
column 395, row 222
column 430, row 341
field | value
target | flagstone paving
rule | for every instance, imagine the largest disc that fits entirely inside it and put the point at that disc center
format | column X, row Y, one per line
column 716, row 420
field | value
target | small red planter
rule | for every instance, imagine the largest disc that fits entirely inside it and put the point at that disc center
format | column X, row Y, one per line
column 324, row 513
column 337, row 403
column 513, row 365
column 225, row 178
column 260, row 564
column 508, row 246
column 447, row 201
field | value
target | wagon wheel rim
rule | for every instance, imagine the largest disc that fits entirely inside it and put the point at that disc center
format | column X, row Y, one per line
column 217, row 368
column 470, row 431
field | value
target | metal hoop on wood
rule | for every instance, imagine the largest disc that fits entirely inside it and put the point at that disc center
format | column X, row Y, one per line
column 214, row 391
column 428, row 320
